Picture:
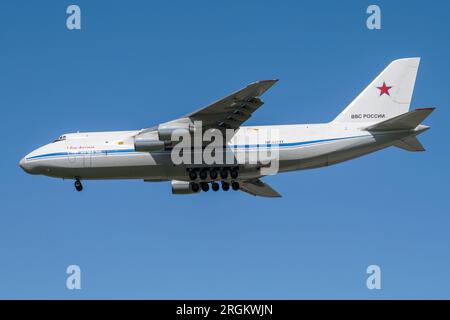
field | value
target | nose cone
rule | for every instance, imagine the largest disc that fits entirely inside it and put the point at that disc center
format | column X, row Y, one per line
column 28, row 166
column 24, row 165
column 35, row 162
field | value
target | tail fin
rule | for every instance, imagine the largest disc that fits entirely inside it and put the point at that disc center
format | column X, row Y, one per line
column 389, row 95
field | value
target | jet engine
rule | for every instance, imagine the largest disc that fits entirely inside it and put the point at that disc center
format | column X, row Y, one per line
column 165, row 131
column 147, row 141
column 160, row 138
column 148, row 144
column 181, row 187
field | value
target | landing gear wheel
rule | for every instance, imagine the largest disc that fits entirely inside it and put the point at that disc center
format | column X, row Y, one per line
column 205, row 186
column 234, row 173
column 213, row 174
column 203, row 174
column 193, row 175
column 215, row 186
column 235, row 186
column 224, row 173
column 195, row 187
column 78, row 185
column 225, row 186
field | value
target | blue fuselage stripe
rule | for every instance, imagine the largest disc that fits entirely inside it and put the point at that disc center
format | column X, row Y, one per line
column 244, row 146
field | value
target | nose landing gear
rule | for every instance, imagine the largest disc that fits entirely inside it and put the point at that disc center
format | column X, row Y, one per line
column 78, row 185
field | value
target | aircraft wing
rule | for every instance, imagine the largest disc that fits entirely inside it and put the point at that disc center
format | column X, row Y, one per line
column 257, row 187
column 227, row 113
column 230, row 112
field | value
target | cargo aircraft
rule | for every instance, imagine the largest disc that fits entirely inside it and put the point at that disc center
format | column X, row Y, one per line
column 379, row 117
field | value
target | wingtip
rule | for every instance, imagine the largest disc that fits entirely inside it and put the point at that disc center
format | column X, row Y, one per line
column 276, row 195
column 269, row 80
column 262, row 85
column 429, row 109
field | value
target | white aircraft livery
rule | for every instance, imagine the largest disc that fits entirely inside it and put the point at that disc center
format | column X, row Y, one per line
column 379, row 117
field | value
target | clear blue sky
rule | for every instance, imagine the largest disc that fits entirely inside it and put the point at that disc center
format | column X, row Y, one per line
column 137, row 63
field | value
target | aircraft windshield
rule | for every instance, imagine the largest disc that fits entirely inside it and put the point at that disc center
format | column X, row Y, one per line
column 60, row 138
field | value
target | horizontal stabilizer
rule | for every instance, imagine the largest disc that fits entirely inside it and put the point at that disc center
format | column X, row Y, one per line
column 258, row 188
column 410, row 143
column 407, row 121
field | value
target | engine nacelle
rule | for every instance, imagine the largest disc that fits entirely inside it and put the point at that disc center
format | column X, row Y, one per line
column 181, row 187
column 148, row 145
column 165, row 131
column 160, row 138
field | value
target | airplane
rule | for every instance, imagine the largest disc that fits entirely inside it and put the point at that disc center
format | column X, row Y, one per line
column 379, row 117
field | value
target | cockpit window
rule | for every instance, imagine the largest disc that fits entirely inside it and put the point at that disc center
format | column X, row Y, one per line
column 60, row 138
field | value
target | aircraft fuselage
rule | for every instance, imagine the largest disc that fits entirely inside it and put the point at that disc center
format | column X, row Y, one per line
column 111, row 155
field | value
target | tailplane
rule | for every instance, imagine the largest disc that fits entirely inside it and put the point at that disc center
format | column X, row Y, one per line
column 407, row 121
column 389, row 95
column 410, row 143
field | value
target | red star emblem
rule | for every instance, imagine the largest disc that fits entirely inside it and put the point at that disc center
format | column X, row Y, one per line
column 384, row 89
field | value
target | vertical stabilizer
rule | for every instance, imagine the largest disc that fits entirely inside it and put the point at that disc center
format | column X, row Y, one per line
column 389, row 95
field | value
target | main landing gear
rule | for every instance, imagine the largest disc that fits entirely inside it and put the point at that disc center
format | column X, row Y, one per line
column 78, row 185
column 235, row 185
column 225, row 186
column 208, row 178
column 213, row 173
column 215, row 186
